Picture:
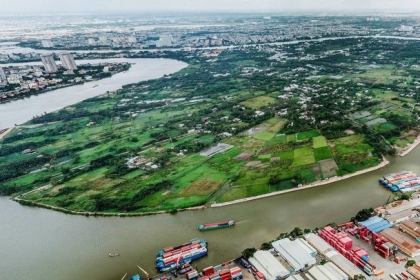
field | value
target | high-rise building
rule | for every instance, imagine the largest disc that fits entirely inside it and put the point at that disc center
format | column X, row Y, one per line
column 68, row 61
column 49, row 63
column 47, row 44
column 2, row 75
column 164, row 41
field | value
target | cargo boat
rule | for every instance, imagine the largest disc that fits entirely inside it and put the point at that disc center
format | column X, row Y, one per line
column 179, row 257
column 403, row 181
column 211, row 226
column 179, row 247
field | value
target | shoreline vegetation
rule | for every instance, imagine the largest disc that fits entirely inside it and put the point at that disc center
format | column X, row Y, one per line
column 334, row 179
column 214, row 205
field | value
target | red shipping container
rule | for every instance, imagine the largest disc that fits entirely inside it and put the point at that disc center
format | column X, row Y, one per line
column 347, row 242
column 362, row 253
column 260, row 276
column 195, row 246
column 166, row 255
column 208, row 271
column 167, row 249
column 226, row 277
column 235, row 270
column 224, row 272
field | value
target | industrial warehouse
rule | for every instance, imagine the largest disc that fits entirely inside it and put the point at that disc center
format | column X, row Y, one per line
column 377, row 248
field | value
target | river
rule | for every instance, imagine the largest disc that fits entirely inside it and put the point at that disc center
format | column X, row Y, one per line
column 22, row 110
column 42, row 244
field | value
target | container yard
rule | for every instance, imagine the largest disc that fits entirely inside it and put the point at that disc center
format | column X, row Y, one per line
column 377, row 248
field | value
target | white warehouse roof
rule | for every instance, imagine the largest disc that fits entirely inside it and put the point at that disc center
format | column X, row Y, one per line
column 344, row 264
column 268, row 265
column 318, row 243
column 295, row 277
column 336, row 270
column 329, row 271
column 293, row 253
column 305, row 246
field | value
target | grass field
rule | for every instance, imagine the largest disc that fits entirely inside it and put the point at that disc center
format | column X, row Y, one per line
column 319, row 141
column 322, row 153
column 308, row 134
column 258, row 102
column 278, row 139
column 264, row 135
column 286, row 155
column 303, row 156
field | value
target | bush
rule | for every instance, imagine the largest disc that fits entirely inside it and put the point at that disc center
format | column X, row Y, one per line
column 410, row 263
column 248, row 252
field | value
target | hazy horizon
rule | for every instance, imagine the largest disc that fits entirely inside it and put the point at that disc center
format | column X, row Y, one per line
column 141, row 6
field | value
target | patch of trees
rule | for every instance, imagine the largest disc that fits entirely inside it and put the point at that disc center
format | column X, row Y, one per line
column 126, row 204
column 15, row 169
column 101, row 161
column 363, row 215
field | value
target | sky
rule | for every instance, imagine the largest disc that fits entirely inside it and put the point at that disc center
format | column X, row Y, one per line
column 108, row 6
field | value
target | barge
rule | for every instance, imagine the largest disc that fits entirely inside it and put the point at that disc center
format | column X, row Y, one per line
column 179, row 257
column 212, row 226
column 403, row 181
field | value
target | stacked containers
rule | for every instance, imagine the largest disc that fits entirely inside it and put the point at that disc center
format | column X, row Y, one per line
column 225, row 274
column 192, row 275
column 236, row 273
column 208, row 271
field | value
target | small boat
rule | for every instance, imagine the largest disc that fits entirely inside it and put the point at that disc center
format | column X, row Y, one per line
column 211, row 226
column 113, row 255
column 95, row 86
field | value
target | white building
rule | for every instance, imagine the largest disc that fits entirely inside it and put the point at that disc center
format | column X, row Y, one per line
column 164, row 41
column 328, row 271
column 132, row 39
column 406, row 28
column 68, row 61
column 91, row 41
column 318, row 243
column 49, row 63
column 294, row 253
column 268, row 265
column 344, row 264
column 47, row 44
column 2, row 74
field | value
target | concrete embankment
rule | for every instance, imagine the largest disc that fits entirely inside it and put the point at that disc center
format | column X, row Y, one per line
column 410, row 147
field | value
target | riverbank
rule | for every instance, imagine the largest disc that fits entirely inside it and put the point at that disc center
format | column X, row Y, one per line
column 5, row 132
column 334, row 179
column 411, row 147
column 312, row 185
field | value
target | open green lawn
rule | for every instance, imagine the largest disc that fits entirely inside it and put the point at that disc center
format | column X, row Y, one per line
column 291, row 138
column 264, row 135
column 322, row 153
column 319, row 141
column 308, row 134
column 258, row 102
column 278, row 139
column 286, row 155
column 303, row 156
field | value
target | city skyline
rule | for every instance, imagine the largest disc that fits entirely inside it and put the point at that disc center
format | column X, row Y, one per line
column 109, row 6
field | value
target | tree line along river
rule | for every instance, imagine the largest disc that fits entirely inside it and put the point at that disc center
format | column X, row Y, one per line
column 43, row 244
